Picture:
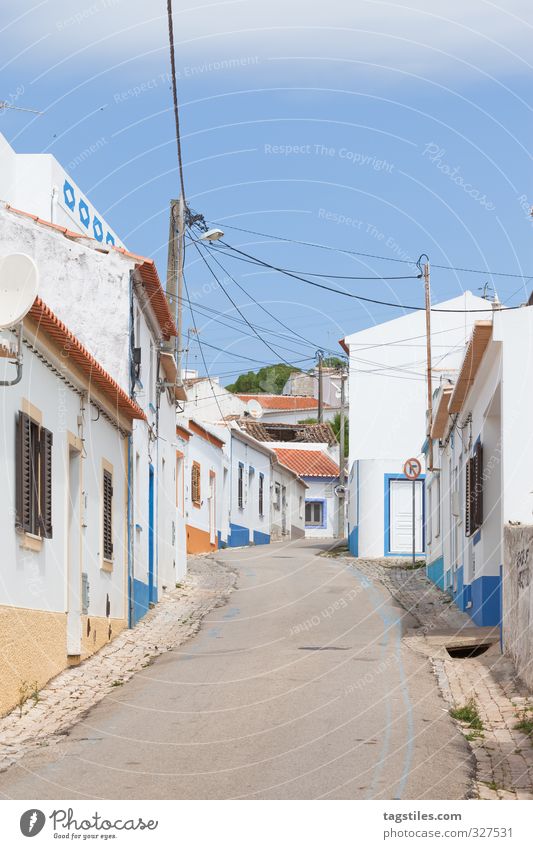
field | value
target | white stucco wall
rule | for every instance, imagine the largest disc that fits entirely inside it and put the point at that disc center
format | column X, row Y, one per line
column 295, row 504
column 209, row 401
column 322, row 489
column 211, row 459
column 38, row 579
column 37, row 183
column 251, row 457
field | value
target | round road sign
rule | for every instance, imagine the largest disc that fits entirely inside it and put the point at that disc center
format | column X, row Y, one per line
column 412, row 468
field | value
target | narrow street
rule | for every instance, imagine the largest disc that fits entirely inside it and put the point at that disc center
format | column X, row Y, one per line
column 298, row 688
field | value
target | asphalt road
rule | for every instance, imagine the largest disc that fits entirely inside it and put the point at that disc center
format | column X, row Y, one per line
column 299, row 688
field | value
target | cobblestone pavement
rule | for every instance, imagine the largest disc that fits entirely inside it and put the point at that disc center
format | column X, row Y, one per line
column 503, row 753
column 68, row 696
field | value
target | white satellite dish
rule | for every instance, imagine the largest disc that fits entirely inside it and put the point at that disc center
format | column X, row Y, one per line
column 254, row 409
column 19, row 282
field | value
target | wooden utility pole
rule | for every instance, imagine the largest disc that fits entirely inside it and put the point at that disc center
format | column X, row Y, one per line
column 429, row 380
column 320, row 355
column 175, row 259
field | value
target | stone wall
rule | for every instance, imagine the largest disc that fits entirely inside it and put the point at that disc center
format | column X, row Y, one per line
column 517, row 603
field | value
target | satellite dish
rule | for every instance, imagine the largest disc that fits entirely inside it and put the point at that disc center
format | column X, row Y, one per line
column 254, row 408
column 19, row 281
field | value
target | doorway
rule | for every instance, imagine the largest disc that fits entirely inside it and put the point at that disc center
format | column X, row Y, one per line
column 74, row 566
column 400, row 510
column 152, row 590
column 212, row 508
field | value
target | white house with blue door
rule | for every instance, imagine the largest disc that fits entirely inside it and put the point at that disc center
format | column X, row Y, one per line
column 483, row 461
column 387, row 388
column 250, row 465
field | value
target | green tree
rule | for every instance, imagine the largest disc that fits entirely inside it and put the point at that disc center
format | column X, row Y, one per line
column 269, row 380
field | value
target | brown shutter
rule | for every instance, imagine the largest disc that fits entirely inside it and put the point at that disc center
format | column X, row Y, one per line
column 45, row 512
column 108, row 516
column 195, row 483
column 23, row 475
column 468, row 497
column 478, row 489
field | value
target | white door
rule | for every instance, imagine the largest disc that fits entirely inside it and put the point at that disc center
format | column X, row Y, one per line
column 212, row 508
column 401, row 516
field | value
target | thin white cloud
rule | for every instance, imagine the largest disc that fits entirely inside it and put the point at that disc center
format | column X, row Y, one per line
column 412, row 36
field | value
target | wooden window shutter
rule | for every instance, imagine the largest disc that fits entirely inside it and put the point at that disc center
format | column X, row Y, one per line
column 195, row 483
column 45, row 512
column 478, row 487
column 23, row 474
column 468, row 498
column 108, row 515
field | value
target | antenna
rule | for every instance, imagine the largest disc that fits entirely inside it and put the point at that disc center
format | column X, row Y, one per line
column 19, row 281
column 254, row 408
column 5, row 105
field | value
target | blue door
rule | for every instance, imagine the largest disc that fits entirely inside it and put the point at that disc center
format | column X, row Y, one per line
column 152, row 588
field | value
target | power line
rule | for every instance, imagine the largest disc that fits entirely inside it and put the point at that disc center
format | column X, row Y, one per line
column 375, row 256
column 271, row 315
column 352, row 294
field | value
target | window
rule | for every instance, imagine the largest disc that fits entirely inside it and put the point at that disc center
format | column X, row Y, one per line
column 429, row 514
column 474, row 491
column 107, row 523
column 261, row 494
column 33, row 477
column 195, row 484
column 314, row 513
column 240, row 486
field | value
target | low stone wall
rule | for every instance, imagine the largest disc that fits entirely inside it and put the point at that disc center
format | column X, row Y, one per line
column 517, row 593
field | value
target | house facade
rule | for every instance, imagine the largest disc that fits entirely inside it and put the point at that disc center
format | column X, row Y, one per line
column 320, row 473
column 480, row 489
column 387, row 376
column 250, row 472
column 290, row 409
column 64, row 448
column 206, row 476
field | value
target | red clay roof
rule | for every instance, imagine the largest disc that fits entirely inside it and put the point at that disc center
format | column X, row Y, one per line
column 283, row 402
column 72, row 350
column 308, row 464
column 145, row 266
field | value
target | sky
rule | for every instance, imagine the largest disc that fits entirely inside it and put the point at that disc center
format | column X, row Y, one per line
column 385, row 128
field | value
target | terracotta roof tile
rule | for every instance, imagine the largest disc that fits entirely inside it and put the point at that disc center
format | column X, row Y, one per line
column 283, row 402
column 308, row 464
column 72, row 350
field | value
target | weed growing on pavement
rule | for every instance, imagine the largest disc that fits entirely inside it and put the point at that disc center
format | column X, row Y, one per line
column 525, row 722
column 27, row 690
column 117, row 683
column 468, row 714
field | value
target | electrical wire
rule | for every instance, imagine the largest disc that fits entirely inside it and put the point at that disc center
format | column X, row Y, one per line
column 352, row 294
column 374, row 256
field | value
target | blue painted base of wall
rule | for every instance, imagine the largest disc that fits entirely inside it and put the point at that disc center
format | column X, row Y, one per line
column 141, row 600
column 435, row 572
column 260, row 538
column 481, row 599
column 353, row 541
column 221, row 542
column 238, row 535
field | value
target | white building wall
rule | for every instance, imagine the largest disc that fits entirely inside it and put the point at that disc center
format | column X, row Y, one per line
column 294, row 507
column 246, row 523
column 208, row 401
column 323, row 489
column 202, row 525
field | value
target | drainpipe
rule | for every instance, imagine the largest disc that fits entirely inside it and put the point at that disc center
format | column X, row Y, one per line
column 18, row 361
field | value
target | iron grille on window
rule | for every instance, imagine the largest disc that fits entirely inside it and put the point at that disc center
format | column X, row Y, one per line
column 195, row 483
column 33, row 477
column 474, row 491
column 261, row 494
column 240, row 486
column 108, row 515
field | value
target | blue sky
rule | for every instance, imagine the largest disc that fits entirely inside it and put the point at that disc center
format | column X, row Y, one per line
column 386, row 128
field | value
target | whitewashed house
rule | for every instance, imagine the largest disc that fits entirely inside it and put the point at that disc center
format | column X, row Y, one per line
column 306, row 383
column 114, row 302
column 250, row 470
column 481, row 487
column 206, row 481
column 290, row 409
column 287, row 495
column 387, row 385
column 64, row 452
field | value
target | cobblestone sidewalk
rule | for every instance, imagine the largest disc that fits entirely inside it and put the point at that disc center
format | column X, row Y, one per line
column 66, row 698
column 503, row 753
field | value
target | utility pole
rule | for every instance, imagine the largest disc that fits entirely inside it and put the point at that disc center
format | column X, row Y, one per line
column 175, row 259
column 428, row 347
column 320, row 355
column 342, row 478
